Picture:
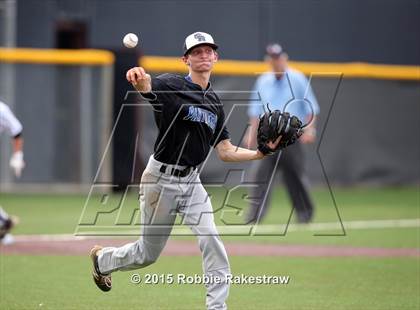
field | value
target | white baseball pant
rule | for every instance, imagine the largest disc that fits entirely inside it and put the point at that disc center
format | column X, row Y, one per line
column 162, row 197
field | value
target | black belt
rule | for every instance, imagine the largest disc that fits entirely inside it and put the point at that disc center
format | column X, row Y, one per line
column 177, row 172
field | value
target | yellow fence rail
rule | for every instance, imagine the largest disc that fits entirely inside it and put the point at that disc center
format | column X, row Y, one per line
column 87, row 57
column 223, row 67
column 252, row 68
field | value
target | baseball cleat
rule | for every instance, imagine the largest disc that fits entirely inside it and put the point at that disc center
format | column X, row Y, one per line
column 102, row 281
column 8, row 224
column 8, row 239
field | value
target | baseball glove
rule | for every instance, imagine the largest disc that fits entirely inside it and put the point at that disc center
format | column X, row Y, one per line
column 273, row 124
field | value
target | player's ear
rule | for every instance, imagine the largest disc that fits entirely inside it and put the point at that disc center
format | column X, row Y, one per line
column 185, row 60
column 216, row 56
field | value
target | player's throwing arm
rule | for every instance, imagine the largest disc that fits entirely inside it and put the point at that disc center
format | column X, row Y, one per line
column 141, row 80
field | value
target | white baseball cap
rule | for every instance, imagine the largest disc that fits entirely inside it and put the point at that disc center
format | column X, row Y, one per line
column 198, row 38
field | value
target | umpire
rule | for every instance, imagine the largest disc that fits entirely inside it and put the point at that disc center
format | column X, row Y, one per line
column 289, row 91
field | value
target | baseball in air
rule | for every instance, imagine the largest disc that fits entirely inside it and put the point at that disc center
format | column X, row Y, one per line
column 130, row 40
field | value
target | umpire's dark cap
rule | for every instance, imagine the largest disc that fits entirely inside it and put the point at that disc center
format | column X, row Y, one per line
column 274, row 50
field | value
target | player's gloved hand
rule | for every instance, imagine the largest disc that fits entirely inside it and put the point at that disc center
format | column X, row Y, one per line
column 16, row 163
column 292, row 132
column 274, row 124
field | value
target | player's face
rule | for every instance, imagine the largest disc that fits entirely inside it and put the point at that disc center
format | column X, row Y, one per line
column 201, row 58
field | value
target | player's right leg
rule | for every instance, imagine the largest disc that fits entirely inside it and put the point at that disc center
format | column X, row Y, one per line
column 156, row 222
column 157, row 218
column 101, row 280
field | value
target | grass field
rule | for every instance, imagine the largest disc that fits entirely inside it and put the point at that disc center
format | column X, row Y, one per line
column 63, row 282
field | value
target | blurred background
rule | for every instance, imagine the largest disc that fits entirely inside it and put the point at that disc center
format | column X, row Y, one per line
column 62, row 71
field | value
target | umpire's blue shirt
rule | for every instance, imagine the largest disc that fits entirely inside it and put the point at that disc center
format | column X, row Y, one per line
column 291, row 93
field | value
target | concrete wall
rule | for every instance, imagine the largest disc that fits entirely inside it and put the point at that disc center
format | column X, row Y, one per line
column 328, row 30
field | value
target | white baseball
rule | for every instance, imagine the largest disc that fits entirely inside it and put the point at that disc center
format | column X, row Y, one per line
column 130, row 40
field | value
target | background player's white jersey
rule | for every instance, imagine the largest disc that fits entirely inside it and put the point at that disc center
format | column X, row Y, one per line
column 8, row 121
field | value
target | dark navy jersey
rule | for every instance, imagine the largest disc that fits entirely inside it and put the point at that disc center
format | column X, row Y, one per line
column 190, row 120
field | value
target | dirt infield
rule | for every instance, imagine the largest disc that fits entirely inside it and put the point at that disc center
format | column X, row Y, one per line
column 38, row 245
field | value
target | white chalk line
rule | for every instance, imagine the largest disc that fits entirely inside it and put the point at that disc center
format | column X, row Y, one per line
column 236, row 229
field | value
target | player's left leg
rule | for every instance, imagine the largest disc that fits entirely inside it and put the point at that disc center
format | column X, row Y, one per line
column 198, row 215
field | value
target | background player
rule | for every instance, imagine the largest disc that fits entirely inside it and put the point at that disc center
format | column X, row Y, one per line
column 276, row 88
column 10, row 124
column 190, row 120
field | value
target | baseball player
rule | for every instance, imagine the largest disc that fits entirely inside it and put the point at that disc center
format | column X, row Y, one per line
column 286, row 90
column 7, row 222
column 190, row 119
column 10, row 124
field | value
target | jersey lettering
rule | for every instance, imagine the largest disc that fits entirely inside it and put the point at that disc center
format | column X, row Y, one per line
column 196, row 114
